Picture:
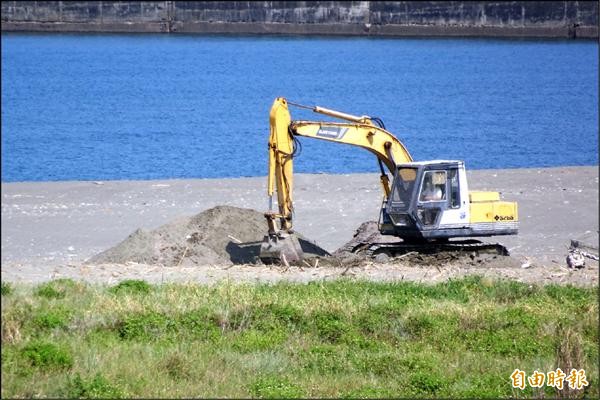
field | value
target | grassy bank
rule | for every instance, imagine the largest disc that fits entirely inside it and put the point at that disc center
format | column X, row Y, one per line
column 338, row 339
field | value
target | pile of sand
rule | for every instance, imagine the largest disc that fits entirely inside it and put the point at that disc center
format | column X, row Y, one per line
column 222, row 235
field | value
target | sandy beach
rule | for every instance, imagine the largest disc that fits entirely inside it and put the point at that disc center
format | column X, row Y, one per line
column 50, row 228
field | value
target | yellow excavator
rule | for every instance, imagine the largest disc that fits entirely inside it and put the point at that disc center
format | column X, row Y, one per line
column 427, row 202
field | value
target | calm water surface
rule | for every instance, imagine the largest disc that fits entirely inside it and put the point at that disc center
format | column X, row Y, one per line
column 99, row 107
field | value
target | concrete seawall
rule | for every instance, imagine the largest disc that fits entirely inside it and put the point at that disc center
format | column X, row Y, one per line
column 558, row 19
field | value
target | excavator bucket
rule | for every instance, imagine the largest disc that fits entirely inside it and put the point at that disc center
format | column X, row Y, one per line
column 281, row 248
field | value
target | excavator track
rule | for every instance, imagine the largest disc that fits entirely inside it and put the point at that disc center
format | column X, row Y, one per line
column 368, row 242
column 468, row 246
column 371, row 249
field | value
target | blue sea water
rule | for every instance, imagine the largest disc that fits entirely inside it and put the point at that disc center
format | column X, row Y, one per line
column 101, row 107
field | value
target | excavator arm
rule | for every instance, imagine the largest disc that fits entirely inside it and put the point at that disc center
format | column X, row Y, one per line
column 357, row 131
column 281, row 149
column 388, row 150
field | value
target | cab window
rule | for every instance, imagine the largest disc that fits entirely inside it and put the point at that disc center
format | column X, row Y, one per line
column 403, row 188
column 454, row 188
column 433, row 187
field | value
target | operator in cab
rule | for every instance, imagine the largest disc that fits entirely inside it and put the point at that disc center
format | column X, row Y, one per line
column 431, row 192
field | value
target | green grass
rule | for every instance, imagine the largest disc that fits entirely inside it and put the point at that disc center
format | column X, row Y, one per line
column 6, row 289
column 46, row 356
column 351, row 339
column 93, row 387
column 131, row 286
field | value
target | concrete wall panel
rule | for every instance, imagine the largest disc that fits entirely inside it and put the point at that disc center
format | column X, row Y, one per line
column 80, row 11
column 396, row 18
column 587, row 13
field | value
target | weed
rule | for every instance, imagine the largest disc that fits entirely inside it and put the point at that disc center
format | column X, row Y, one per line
column 483, row 385
column 252, row 340
column 276, row 316
column 177, row 366
column 265, row 318
column 200, row 324
column 325, row 359
column 49, row 292
column 568, row 348
column 427, row 382
column 97, row 387
column 457, row 290
column 568, row 294
column 51, row 319
column 6, row 289
column 357, row 340
column 145, row 327
column 275, row 387
column 505, row 342
column 370, row 392
column 265, row 362
column 11, row 328
column 374, row 321
column 9, row 355
column 508, row 292
column 381, row 364
column 47, row 355
column 329, row 325
column 237, row 319
column 133, row 286
column 420, row 362
column 420, row 325
column 56, row 289
column 509, row 331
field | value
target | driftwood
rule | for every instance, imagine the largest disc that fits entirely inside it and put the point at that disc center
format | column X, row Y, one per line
column 238, row 241
column 285, row 262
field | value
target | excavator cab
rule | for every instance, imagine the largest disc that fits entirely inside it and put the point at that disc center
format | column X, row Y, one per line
column 431, row 200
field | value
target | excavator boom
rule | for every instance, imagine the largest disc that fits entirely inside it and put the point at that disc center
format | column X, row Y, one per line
column 389, row 150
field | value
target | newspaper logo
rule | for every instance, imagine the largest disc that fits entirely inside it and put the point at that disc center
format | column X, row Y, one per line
column 576, row 379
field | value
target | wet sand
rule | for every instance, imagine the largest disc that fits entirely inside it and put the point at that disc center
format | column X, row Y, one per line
column 50, row 228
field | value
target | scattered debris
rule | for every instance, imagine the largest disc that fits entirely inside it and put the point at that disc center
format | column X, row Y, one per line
column 585, row 249
column 575, row 259
column 579, row 250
